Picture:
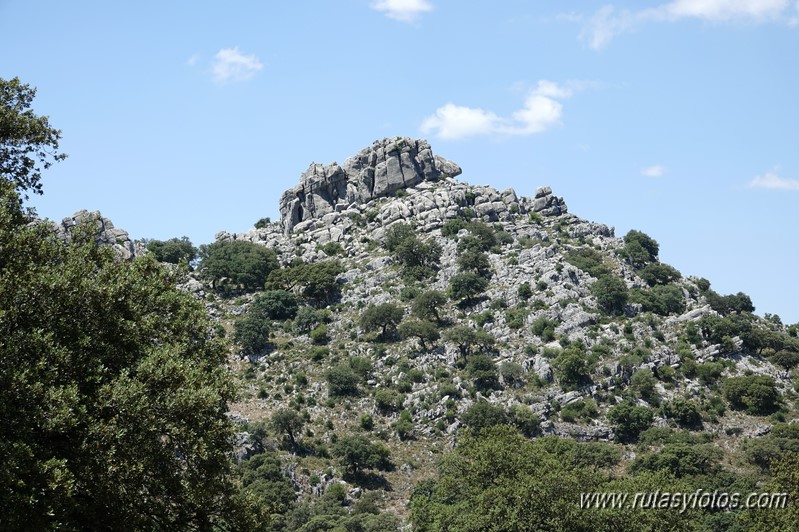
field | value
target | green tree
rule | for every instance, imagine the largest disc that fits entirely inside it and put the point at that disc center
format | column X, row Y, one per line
column 262, row 478
column 630, row 420
column 276, row 305
column 385, row 317
column 468, row 338
column 482, row 370
column 251, row 332
column 474, row 261
column 658, row 273
column 356, row 452
column 639, row 248
column 342, row 381
column 425, row 331
column 288, row 422
column 316, row 281
column 610, row 293
column 174, row 250
column 238, row 262
column 97, row 422
column 757, row 394
column 427, row 304
column 419, row 259
column 573, row 368
column 482, row 415
column 466, row 286
column 28, row 143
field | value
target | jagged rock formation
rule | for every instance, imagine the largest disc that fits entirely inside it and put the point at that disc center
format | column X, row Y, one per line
column 106, row 233
column 377, row 171
column 327, row 191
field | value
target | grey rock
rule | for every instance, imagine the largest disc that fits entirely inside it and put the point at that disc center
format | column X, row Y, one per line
column 377, row 171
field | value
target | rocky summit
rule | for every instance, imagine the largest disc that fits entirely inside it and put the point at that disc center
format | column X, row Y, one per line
column 395, row 315
column 377, row 171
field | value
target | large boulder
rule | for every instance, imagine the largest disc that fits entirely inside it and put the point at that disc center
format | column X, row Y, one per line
column 380, row 170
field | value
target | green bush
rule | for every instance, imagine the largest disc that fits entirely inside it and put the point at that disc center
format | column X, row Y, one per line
column 342, row 381
column 251, row 333
column 589, row 260
column 276, row 305
column 238, row 262
column 482, row 370
column 611, row 294
column 387, row 400
column 659, row 273
column 466, row 287
column 385, row 317
column 174, row 250
column 319, row 335
column 482, row 415
column 684, row 411
column 629, row 420
column 756, row 394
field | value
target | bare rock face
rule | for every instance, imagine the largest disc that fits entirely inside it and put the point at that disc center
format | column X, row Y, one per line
column 106, row 233
column 377, row 171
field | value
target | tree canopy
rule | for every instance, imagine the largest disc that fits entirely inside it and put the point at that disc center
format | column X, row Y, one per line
column 28, row 143
column 97, row 422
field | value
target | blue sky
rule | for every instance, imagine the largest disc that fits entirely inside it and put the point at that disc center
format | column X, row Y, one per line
column 678, row 118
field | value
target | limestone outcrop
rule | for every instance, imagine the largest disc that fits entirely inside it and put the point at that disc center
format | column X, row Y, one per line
column 380, row 170
column 105, row 233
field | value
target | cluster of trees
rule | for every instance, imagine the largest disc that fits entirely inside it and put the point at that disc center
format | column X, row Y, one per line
column 97, row 425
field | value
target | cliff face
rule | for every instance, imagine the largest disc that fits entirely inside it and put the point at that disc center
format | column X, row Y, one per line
column 380, row 170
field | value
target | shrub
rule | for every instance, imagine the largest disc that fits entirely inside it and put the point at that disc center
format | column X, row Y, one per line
column 611, row 294
column 659, row 273
column 319, row 335
column 590, row 261
column 660, row 299
column 483, row 371
column 241, row 263
column 342, row 381
column 385, row 317
column 466, row 286
column 404, row 425
column 251, row 333
column 174, row 250
column 482, row 415
column 307, row 318
column 525, row 292
column 387, row 400
column 684, row 411
column 512, row 374
column 572, row 368
column 263, row 222
column 629, row 420
column 545, row 328
column 681, row 460
column 474, row 261
column 276, row 305
column 756, row 394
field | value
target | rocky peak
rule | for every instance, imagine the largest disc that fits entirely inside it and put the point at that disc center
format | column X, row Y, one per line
column 106, row 233
column 380, row 170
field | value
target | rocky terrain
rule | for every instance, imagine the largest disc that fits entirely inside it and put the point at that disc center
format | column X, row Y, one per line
column 563, row 323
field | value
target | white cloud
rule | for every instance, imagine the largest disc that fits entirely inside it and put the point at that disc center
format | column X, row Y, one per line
column 231, row 65
column 191, row 61
column 608, row 22
column 454, row 121
column 402, row 10
column 656, row 170
column 541, row 111
column 772, row 181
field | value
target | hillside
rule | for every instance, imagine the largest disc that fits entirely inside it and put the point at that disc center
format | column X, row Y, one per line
column 411, row 308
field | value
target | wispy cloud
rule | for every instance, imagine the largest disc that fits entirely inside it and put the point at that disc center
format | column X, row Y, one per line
column 656, row 170
column 402, row 10
column 608, row 22
column 541, row 111
column 771, row 180
column 231, row 65
column 191, row 61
